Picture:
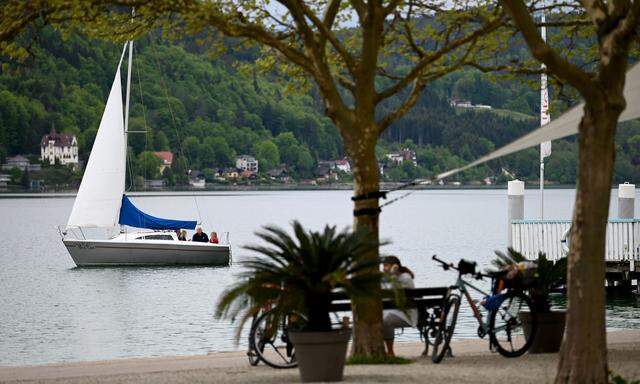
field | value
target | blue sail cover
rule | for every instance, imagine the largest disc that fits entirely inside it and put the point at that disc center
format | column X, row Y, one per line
column 132, row 216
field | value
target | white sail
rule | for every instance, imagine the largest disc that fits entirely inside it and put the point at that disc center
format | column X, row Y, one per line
column 100, row 195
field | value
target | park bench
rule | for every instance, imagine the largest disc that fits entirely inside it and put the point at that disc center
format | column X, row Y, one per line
column 428, row 301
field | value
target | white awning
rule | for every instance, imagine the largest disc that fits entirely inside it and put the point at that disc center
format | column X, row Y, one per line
column 563, row 126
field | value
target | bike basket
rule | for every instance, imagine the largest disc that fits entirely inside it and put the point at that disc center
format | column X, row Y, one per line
column 493, row 302
column 466, row 267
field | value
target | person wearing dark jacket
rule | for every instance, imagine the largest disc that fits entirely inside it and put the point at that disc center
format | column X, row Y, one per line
column 200, row 236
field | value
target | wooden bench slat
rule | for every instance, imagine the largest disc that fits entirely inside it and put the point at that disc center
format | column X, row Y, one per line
column 409, row 293
column 432, row 291
column 345, row 305
column 424, row 299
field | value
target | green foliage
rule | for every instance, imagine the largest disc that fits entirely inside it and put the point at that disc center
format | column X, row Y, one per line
column 209, row 174
column 549, row 275
column 148, row 165
column 294, row 154
column 16, row 174
column 180, row 170
column 224, row 155
column 57, row 177
column 220, row 113
column 614, row 378
column 296, row 274
column 378, row 360
column 160, row 142
column 25, row 179
column 267, row 154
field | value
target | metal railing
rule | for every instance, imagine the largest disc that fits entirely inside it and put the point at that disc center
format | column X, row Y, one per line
column 552, row 237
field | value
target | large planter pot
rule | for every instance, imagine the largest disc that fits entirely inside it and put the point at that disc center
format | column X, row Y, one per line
column 550, row 331
column 321, row 355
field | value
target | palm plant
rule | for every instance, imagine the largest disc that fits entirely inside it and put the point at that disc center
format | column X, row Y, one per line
column 549, row 275
column 296, row 274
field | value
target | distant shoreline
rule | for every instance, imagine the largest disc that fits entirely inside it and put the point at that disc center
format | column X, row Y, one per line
column 266, row 188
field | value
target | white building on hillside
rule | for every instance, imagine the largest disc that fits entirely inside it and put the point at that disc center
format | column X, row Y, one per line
column 456, row 103
column 59, row 148
column 247, row 163
column 406, row 154
column 343, row 165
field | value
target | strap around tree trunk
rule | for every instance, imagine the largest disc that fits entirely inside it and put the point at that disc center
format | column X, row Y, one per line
column 366, row 212
column 370, row 195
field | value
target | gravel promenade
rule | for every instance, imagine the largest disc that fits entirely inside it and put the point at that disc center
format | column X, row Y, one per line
column 473, row 363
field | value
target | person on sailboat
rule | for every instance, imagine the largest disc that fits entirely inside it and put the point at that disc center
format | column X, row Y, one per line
column 200, row 236
column 182, row 235
column 396, row 276
column 214, row 238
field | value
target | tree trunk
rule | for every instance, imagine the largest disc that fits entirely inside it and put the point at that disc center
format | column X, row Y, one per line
column 367, row 314
column 583, row 356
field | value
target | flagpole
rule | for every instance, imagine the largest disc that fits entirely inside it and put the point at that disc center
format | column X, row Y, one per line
column 545, row 147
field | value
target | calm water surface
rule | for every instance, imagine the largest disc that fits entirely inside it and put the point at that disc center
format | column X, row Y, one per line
column 53, row 312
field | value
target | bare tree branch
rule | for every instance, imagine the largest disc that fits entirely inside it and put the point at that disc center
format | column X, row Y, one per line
column 418, row 86
column 360, row 8
column 435, row 56
column 631, row 23
column 565, row 70
column 416, row 89
column 596, row 10
column 327, row 34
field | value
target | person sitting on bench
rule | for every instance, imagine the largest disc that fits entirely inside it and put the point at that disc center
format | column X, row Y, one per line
column 396, row 276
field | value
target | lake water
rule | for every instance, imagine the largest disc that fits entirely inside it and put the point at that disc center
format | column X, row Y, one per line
column 53, row 312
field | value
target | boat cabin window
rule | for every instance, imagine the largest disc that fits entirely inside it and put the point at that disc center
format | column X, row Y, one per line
column 158, row 237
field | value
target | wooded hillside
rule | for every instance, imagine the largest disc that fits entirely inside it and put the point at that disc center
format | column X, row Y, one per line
column 207, row 111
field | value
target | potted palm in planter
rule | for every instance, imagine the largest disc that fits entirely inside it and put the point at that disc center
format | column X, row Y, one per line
column 549, row 275
column 296, row 275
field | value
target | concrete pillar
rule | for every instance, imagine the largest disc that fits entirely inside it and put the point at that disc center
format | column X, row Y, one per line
column 626, row 201
column 515, row 194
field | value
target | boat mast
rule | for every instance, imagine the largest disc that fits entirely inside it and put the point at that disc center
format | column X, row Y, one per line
column 126, row 114
column 128, row 96
column 126, row 108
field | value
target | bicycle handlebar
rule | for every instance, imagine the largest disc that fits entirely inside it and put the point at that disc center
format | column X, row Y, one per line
column 445, row 265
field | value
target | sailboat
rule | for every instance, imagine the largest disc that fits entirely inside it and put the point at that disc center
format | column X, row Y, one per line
column 101, row 204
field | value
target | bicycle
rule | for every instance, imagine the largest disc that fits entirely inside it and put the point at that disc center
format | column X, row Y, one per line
column 502, row 323
column 269, row 340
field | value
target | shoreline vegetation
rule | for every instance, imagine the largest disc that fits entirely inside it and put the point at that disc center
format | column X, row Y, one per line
column 288, row 187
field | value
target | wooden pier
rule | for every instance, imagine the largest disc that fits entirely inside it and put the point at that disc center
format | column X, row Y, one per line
column 622, row 253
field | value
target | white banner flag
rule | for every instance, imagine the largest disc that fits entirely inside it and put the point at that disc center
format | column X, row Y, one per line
column 545, row 118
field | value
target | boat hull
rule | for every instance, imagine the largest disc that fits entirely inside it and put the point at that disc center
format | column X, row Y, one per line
column 101, row 253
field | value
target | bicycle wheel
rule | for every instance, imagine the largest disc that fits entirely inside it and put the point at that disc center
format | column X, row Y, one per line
column 252, row 354
column 271, row 341
column 505, row 326
column 446, row 326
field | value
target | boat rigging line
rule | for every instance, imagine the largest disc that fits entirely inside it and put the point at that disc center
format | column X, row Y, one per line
column 175, row 125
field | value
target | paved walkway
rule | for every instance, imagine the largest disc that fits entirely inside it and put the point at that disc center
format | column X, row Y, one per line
column 472, row 364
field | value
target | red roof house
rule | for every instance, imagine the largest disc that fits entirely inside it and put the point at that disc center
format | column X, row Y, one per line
column 166, row 157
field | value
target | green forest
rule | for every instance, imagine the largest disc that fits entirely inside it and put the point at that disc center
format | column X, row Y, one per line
column 207, row 110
